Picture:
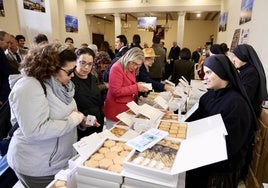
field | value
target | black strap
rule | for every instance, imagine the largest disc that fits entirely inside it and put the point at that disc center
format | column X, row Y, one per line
column 43, row 86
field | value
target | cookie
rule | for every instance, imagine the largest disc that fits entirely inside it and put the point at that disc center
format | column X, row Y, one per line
column 103, row 150
column 97, row 156
column 109, row 143
column 115, row 168
column 105, row 163
column 92, row 163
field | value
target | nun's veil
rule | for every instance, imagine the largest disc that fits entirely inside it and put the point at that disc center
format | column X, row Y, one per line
column 247, row 54
column 224, row 68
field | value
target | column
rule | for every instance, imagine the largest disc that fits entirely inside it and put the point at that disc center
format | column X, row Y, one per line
column 117, row 24
column 180, row 30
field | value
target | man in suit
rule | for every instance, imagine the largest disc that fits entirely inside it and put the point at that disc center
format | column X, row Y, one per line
column 5, row 69
column 173, row 55
column 196, row 54
column 15, row 54
column 121, row 45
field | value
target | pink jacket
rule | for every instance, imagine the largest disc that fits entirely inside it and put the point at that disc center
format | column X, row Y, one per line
column 122, row 89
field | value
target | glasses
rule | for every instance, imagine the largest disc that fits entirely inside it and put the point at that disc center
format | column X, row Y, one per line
column 136, row 64
column 84, row 63
column 69, row 72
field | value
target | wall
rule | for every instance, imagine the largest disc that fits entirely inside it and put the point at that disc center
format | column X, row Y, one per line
column 11, row 14
column 197, row 33
column 258, row 27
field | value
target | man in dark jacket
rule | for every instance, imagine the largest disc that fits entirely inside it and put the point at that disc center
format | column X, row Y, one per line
column 5, row 69
column 173, row 55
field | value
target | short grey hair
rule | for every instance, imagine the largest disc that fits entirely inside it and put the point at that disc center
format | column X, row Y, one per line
column 131, row 55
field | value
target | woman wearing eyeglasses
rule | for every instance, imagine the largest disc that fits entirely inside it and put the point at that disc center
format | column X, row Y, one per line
column 42, row 104
column 87, row 93
column 123, row 87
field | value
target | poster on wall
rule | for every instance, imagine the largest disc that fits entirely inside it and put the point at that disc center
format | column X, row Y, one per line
column 235, row 40
column 71, row 24
column 223, row 21
column 244, row 36
column 160, row 31
column 2, row 10
column 147, row 24
column 35, row 5
column 246, row 11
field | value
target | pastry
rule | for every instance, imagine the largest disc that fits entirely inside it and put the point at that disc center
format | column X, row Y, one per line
column 97, row 156
column 124, row 153
column 60, row 183
column 109, row 143
column 92, row 163
column 103, row 150
column 119, row 160
column 105, row 163
column 116, row 149
column 111, row 155
column 115, row 168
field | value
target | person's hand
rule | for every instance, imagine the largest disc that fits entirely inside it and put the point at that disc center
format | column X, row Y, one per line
column 168, row 87
column 95, row 124
column 141, row 87
column 106, row 85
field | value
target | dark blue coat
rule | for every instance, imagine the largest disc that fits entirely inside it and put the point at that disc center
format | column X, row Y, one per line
column 143, row 76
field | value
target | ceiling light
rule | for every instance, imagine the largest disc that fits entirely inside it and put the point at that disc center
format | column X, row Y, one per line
column 198, row 15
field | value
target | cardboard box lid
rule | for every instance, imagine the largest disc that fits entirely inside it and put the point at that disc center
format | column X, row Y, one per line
column 205, row 144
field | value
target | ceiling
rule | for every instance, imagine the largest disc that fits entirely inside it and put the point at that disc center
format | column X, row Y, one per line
column 204, row 15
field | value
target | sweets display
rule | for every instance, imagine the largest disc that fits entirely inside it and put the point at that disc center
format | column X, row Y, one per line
column 110, row 156
column 161, row 156
column 175, row 129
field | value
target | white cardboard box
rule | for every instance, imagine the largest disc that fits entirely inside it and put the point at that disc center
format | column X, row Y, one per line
column 205, row 144
column 95, row 182
column 86, row 148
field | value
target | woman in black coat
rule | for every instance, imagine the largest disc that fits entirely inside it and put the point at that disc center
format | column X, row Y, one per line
column 226, row 96
column 87, row 93
column 252, row 74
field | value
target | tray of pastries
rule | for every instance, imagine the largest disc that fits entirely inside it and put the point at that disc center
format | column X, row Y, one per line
column 161, row 156
column 118, row 131
column 109, row 156
column 174, row 129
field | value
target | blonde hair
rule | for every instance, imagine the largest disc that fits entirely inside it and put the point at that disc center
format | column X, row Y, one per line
column 131, row 55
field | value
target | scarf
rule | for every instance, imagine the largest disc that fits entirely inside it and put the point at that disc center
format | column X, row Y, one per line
column 64, row 92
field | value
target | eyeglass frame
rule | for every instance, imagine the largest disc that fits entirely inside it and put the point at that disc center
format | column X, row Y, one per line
column 69, row 72
column 84, row 63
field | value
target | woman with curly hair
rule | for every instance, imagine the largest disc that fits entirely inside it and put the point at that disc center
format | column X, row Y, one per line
column 42, row 104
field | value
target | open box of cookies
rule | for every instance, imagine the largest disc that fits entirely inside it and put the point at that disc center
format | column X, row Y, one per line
column 169, row 157
column 106, row 162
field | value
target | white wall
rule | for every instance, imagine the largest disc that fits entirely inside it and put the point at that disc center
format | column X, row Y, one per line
column 258, row 27
column 10, row 22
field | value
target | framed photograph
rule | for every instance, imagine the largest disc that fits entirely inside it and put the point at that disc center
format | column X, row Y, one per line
column 236, row 38
column 147, row 24
column 160, row 31
column 71, row 24
column 2, row 10
column 34, row 5
column 246, row 11
column 223, row 21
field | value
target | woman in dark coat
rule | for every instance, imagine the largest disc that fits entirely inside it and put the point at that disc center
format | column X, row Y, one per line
column 227, row 97
column 252, row 74
column 143, row 75
column 87, row 93
column 183, row 67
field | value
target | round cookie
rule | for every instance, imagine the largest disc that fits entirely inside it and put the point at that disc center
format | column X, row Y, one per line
column 105, row 163
column 119, row 160
column 109, row 143
column 103, row 150
column 97, row 156
column 115, row 168
column 124, row 153
column 92, row 163
column 111, row 155
column 116, row 148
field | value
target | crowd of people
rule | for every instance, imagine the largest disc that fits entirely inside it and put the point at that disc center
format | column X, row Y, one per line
column 52, row 88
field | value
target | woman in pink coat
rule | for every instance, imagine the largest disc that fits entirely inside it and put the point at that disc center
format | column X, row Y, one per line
column 123, row 87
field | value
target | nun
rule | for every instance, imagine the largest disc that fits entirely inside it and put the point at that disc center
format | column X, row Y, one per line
column 226, row 96
column 252, row 74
